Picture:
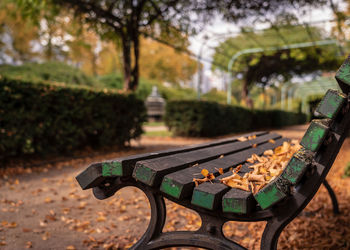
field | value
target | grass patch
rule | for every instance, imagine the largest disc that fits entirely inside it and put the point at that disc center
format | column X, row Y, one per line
column 154, row 124
column 158, row 134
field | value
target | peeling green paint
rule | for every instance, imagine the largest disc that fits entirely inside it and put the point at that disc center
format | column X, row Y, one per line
column 144, row 174
column 343, row 74
column 297, row 166
column 170, row 187
column 269, row 195
column 110, row 169
column 331, row 103
column 234, row 205
column 203, row 199
column 314, row 135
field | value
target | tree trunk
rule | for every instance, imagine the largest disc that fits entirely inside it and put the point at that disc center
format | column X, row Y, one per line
column 135, row 71
column 126, row 44
column 247, row 100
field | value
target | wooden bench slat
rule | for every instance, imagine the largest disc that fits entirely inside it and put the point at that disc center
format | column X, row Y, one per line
column 315, row 134
column 125, row 166
column 331, row 104
column 248, row 202
column 180, row 184
column 238, row 201
column 151, row 172
column 343, row 76
column 97, row 172
column 297, row 166
column 273, row 192
column 208, row 195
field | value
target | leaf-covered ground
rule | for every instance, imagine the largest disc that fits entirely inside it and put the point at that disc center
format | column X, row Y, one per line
column 44, row 208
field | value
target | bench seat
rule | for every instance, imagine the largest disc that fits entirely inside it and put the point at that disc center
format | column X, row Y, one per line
column 169, row 174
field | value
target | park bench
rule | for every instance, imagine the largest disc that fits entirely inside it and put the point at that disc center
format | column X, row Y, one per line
column 169, row 174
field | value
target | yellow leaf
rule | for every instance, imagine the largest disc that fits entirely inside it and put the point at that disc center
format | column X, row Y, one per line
column 71, row 247
column 272, row 141
column 101, row 218
column 205, row 172
column 12, row 225
column 48, row 200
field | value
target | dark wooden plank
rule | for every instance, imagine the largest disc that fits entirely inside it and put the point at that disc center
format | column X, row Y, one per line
column 151, row 172
column 238, row 201
column 315, row 134
column 90, row 177
column 297, row 166
column 125, row 166
column 180, row 184
column 343, row 76
column 272, row 193
column 97, row 172
column 208, row 195
column 331, row 104
column 233, row 200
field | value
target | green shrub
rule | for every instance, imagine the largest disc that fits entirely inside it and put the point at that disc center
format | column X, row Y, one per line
column 114, row 81
column 201, row 118
column 48, row 71
column 40, row 118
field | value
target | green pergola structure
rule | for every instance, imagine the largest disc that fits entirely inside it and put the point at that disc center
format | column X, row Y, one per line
column 316, row 87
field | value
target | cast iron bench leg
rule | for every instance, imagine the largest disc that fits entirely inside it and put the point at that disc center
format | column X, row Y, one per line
column 209, row 236
column 333, row 197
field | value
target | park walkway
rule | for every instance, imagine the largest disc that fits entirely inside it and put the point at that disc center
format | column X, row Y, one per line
column 44, row 208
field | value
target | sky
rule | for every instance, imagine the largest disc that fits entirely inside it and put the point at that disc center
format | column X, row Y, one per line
column 218, row 30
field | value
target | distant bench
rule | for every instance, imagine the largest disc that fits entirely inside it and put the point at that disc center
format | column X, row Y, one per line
column 169, row 174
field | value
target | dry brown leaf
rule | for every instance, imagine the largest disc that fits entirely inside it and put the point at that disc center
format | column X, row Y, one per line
column 29, row 244
column 205, row 172
column 48, row 200
column 101, row 218
column 268, row 152
column 71, row 247
column 242, row 138
column 254, row 145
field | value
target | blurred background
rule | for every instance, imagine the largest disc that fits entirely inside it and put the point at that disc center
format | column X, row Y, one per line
column 100, row 73
column 85, row 81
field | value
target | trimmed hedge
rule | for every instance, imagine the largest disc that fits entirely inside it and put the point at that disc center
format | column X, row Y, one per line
column 200, row 118
column 40, row 118
column 48, row 71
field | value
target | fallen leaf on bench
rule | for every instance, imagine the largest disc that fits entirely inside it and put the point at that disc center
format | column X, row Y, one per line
column 242, row 139
column 205, row 172
column 268, row 152
column 265, row 168
column 272, row 141
column 251, row 137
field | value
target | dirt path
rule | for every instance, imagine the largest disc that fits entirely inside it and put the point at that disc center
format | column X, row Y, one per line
column 46, row 209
